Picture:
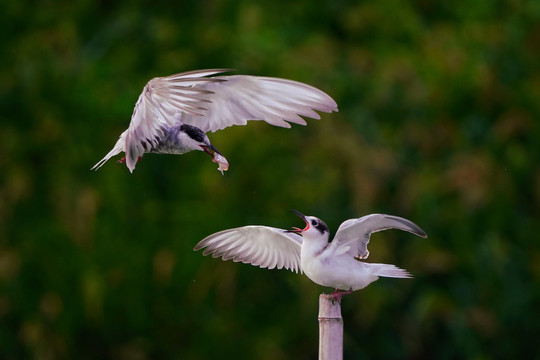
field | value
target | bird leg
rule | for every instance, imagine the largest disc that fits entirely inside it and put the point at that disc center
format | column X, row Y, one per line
column 337, row 295
column 123, row 160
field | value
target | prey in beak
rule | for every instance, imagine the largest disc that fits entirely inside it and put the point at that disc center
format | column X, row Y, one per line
column 223, row 164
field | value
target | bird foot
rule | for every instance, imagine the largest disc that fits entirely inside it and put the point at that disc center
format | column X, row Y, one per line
column 123, row 160
column 337, row 295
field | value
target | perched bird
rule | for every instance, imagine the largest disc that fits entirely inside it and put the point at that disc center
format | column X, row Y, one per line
column 174, row 113
column 334, row 264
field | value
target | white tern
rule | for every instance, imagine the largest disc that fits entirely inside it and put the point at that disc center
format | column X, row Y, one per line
column 174, row 113
column 335, row 264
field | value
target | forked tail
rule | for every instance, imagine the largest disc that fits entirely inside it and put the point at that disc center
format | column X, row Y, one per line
column 117, row 149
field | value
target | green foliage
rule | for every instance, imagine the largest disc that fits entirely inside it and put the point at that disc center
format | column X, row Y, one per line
column 438, row 123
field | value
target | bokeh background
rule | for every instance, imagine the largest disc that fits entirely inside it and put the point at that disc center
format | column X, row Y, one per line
column 438, row 123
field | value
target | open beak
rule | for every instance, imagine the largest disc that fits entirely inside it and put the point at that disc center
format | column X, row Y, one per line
column 210, row 150
column 298, row 230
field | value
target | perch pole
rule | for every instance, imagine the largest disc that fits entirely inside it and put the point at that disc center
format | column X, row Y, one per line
column 330, row 328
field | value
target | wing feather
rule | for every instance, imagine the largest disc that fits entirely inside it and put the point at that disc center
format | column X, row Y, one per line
column 353, row 235
column 239, row 98
column 262, row 246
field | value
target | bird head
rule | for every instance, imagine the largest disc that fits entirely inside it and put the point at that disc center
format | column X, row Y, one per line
column 315, row 227
column 195, row 139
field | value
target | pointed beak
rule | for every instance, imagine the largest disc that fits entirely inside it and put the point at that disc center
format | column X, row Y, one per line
column 303, row 217
column 210, row 150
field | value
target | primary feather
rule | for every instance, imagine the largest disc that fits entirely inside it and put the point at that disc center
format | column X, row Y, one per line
column 262, row 246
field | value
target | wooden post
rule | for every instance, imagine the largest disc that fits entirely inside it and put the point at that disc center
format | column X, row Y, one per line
column 330, row 328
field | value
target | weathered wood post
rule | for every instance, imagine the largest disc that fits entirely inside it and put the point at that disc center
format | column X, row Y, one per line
column 330, row 328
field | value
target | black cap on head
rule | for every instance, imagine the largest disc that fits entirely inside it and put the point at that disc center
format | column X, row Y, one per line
column 320, row 225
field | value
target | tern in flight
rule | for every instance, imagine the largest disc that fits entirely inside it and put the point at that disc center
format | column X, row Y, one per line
column 337, row 264
column 174, row 113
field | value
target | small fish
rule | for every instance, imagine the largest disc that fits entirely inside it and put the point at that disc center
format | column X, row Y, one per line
column 221, row 161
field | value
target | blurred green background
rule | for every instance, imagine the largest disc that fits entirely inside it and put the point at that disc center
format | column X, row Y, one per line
column 438, row 123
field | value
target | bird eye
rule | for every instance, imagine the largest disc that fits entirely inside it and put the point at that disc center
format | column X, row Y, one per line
column 314, row 222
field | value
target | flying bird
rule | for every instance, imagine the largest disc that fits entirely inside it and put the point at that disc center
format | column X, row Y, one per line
column 174, row 113
column 337, row 264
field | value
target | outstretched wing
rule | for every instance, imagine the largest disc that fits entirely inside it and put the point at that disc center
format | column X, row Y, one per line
column 353, row 235
column 240, row 98
column 262, row 246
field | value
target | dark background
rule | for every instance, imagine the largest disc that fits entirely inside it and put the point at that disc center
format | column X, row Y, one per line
column 438, row 123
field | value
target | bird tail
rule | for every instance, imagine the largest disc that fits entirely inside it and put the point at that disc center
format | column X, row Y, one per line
column 117, row 149
column 392, row 271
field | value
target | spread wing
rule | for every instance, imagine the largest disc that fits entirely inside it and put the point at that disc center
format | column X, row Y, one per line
column 262, row 246
column 240, row 98
column 353, row 235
